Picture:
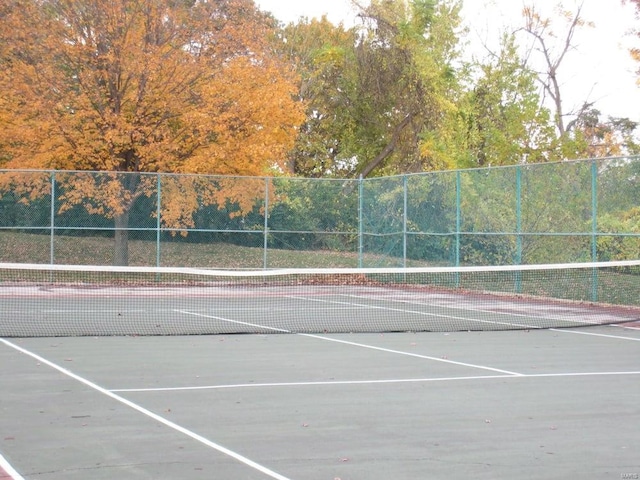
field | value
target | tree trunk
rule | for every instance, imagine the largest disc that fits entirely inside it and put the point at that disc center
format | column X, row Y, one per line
column 390, row 147
column 121, row 244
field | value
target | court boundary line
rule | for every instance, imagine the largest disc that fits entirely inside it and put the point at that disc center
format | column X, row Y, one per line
column 373, row 382
column 427, row 314
column 580, row 332
column 7, row 469
column 584, row 323
column 627, row 327
column 355, row 344
column 168, row 423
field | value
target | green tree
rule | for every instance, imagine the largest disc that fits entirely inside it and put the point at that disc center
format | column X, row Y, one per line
column 407, row 83
column 324, row 58
column 505, row 121
column 377, row 93
column 618, row 209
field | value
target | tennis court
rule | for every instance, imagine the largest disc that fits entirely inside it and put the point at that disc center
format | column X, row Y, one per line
column 370, row 380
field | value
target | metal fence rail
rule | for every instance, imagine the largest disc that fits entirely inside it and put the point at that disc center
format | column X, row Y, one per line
column 544, row 213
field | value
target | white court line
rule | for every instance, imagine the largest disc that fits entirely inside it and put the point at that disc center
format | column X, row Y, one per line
column 453, row 317
column 150, row 414
column 426, row 314
column 369, row 382
column 8, row 469
column 309, row 384
column 409, row 354
column 353, row 344
column 578, row 332
column 625, row 327
column 237, row 322
column 471, row 309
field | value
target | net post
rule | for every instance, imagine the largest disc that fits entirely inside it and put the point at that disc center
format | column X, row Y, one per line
column 52, row 219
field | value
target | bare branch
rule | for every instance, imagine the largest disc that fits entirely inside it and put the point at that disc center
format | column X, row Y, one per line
column 539, row 28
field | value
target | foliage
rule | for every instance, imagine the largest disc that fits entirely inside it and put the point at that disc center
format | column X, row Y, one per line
column 137, row 86
column 312, row 214
column 324, row 56
column 407, row 83
column 394, row 95
column 498, row 215
column 376, row 92
column 504, row 120
column 133, row 87
column 601, row 138
column 581, row 133
column 624, row 245
column 635, row 51
column 619, row 213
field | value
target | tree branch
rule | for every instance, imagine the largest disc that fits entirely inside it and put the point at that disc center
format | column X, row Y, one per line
column 390, row 147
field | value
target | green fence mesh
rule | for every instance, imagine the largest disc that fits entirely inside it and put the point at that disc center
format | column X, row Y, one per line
column 527, row 214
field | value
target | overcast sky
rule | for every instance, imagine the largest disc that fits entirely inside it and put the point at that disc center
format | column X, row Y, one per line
column 599, row 70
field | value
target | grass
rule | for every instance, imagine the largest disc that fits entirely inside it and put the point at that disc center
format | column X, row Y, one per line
column 34, row 248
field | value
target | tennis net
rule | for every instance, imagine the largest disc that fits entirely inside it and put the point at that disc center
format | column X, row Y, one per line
column 64, row 300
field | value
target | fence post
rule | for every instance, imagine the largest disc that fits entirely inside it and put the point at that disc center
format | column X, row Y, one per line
column 594, row 211
column 52, row 219
column 158, row 219
column 266, row 224
column 458, row 224
column 518, row 259
column 404, row 221
column 360, row 219
column 458, row 217
column 594, row 229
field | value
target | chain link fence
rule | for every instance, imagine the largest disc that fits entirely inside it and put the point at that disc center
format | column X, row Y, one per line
column 545, row 213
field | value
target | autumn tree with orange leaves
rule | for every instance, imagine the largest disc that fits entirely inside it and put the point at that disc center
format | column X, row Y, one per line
column 635, row 51
column 137, row 86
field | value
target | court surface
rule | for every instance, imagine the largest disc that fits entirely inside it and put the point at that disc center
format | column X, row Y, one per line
column 80, row 310
column 537, row 404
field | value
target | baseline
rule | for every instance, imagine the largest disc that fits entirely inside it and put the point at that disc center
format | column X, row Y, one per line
column 7, row 471
column 592, row 334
